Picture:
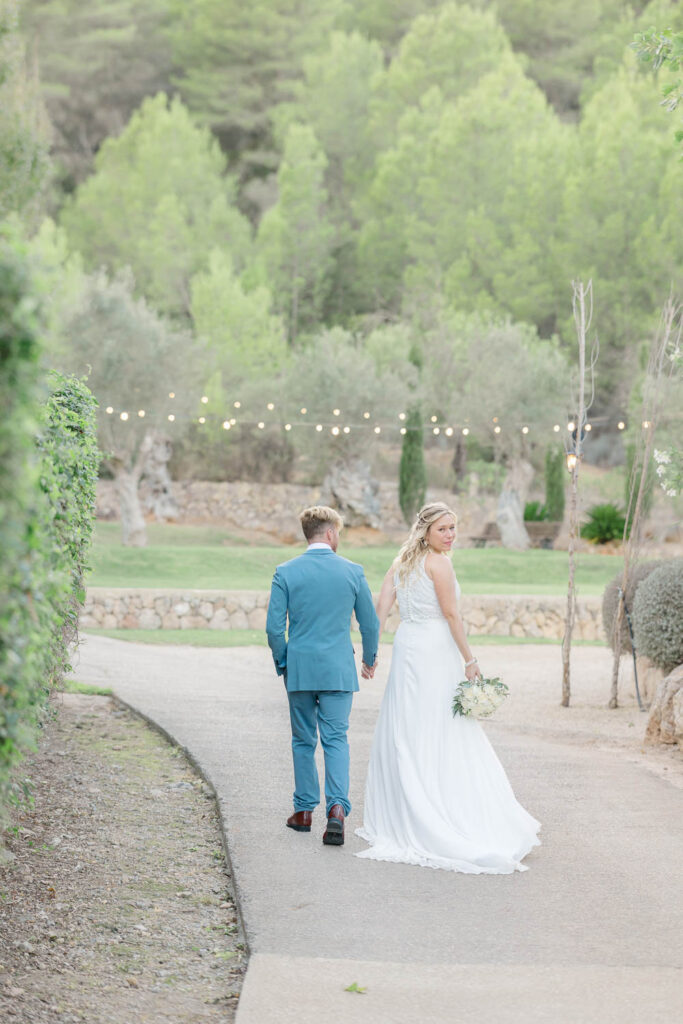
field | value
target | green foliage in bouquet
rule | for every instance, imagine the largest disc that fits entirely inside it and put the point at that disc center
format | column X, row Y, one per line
column 605, row 523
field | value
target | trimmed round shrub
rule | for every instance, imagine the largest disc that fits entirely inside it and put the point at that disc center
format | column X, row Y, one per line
column 658, row 616
column 610, row 600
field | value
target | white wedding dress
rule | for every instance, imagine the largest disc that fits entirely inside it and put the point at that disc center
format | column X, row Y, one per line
column 436, row 794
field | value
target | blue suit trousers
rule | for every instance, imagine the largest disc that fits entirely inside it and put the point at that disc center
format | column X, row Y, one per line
column 325, row 712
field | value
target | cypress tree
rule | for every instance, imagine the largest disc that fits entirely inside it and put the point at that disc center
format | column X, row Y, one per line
column 554, row 483
column 412, row 485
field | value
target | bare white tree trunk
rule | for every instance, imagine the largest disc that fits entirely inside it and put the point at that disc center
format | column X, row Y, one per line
column 583, row 312
column 510, row 511
column 133, row 529
column 670, row 329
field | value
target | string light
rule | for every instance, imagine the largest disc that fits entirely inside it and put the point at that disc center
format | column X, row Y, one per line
column 434, row 418
column 304, row 411
column 335, row 431
column 202, row 419
column 270, row 406
column 572, row 459
column 378, row 430
column 347, row 430
column 141, row 413
column 123, row 416
column 436, row 430
column 496, row 430
column 366, row 415
column 646, row 424
column 233, row 422
column 288, row 426
column 403, row 430
column 401, row 415
column 109, row 410
column 620, row 425
column 495, row 419
column 336, row 412
column 319, row 427
column 465, row 431
column 556, row 428
column 204, row 399
column 226, row 424
column 588, row 426
column 571, row 425
column 171, row 418
column 525, row 430
column 449, row 431
column 171, row 394
column 261, row 425
column 237, row 405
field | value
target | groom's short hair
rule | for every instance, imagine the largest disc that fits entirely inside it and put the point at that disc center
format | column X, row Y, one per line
column 317, row 519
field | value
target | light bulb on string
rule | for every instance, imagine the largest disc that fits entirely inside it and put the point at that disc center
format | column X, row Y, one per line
column 304, row 411
column 589, row 426
column 270, row 406
column 288, row 426
column 202, row 419
column 449, row 431
column 436, row 430
column 123, row 416
column 261, row 425
column 620, row 425
column 646, row 424
column 496, row 430
column 319, row 427
column 556, row 428
column 572, row 460
column 109, row 410
column 141, row 413
column 171, row 418
column 401, row 415
column 525, row 430
column 571, row 425
column 237, row 405
column 171, row 394
column 204, row 399
column 433, row 419
column 378, row 430
column 465, row 431
column 403, row 430
column 226, row 424
column 335, row 431
column 366, row 415
column 336, row 412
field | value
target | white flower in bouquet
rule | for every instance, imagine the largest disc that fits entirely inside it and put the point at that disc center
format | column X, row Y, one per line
column 479, row 698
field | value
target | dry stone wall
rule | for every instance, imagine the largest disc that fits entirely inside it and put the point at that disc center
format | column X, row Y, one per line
column 515, row 616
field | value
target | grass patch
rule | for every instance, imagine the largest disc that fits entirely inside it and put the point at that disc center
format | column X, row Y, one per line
column 208, row 558
column 257, row 638
column 72, row 686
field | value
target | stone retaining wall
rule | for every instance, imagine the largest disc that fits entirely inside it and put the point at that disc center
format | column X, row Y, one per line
column 517, row 616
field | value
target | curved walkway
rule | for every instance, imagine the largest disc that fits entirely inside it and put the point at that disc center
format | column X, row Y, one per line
column 590, row 933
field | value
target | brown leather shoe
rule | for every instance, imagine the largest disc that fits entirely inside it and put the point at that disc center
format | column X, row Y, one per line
column 300, row 821
column 334, row 833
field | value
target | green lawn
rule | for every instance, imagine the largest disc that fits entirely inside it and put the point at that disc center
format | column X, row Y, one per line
column 208, row 558
column 256, row 637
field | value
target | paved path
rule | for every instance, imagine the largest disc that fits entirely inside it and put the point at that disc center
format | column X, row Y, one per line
column 592, row 932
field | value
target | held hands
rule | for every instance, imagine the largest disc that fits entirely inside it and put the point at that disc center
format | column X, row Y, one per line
column 368, row 671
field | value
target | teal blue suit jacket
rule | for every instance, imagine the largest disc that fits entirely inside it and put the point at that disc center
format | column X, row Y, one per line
column 318, row 591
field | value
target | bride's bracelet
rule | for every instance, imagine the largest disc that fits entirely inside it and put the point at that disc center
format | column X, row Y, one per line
column 472, row 662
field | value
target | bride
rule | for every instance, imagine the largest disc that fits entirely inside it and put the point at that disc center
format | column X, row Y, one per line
column 436, row 794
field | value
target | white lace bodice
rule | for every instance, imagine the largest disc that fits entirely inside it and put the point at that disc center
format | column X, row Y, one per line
column 416, row 596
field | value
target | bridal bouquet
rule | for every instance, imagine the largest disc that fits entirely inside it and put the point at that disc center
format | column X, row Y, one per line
column 479, row 697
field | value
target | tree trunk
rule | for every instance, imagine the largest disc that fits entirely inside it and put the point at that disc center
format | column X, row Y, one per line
column 158, row 450
column 510, row 512
column 133, row 529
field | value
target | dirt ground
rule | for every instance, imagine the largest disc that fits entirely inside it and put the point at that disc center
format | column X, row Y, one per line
column 117, row 903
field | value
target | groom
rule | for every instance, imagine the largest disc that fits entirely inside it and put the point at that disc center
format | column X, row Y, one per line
column 318, row 591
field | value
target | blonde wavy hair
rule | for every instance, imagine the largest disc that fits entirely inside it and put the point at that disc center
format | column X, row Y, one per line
column 415, row 547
